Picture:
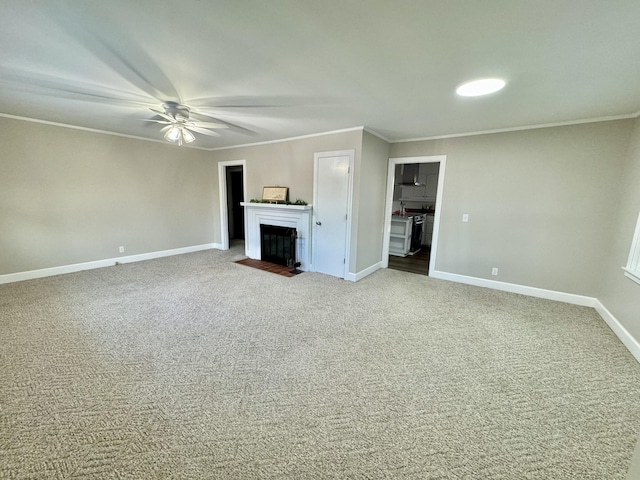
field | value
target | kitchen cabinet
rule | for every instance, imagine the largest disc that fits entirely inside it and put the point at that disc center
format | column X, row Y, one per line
column 427, row 230
column 415, row 193
column 400, row 235
column 431, row 183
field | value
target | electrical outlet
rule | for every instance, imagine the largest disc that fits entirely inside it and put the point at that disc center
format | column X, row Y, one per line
column 121, row 249
column 494, row 271
column 465, row 217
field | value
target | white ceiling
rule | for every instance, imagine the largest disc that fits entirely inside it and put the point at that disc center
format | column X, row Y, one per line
column 283, row 68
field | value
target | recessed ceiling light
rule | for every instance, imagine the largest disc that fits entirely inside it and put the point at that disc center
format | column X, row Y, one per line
column 483, row 86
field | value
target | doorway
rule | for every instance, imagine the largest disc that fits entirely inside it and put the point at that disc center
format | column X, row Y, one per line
column 235, row 195
column 231, row 185
column 412, row 214
column 333, row 186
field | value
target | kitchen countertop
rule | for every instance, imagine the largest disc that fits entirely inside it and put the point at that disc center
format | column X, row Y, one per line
column 420, row 212
column 411, row 214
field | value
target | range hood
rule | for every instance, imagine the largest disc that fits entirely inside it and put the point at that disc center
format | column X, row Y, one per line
column 409, row 174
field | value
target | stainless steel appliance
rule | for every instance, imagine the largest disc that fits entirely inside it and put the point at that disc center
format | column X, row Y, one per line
column 416, row 232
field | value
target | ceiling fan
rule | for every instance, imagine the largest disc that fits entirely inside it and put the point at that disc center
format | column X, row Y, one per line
column 152, row 88
column 179, row 127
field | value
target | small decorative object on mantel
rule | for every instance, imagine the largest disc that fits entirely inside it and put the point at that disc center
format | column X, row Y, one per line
column 298, row 202
column 275, row 194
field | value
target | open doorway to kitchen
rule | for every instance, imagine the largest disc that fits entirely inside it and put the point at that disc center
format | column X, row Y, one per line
column 412, row 216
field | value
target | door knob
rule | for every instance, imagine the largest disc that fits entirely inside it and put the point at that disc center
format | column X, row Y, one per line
column 318, row 223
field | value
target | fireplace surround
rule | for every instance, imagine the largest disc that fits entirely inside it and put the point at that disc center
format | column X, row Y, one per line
column 297, row 217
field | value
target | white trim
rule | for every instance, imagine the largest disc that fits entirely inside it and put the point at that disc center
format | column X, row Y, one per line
column 618, row 329
column 515, row 288
column 354, row 277
column 333, row 132
column 625, row 337
column 351, row 153
column 280, row 140
column 278, row 206
column 108, row 262
column 525, row 127
column 222, row 189
column 631, row 274
column 291, row 216
column 632, row 269
column 391, row 172
column 95, row 130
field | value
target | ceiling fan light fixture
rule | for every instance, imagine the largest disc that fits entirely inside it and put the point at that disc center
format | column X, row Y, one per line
column 483, row 86
column 179, row 128
column 187, row 136
column 173, row 134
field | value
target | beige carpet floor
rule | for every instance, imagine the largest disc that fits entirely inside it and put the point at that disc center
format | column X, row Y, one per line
column 196, row 367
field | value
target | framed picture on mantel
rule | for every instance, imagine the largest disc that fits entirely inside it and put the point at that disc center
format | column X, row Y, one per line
column 275, row 194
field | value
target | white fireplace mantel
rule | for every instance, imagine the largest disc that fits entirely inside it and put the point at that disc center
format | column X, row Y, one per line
column 292, row 216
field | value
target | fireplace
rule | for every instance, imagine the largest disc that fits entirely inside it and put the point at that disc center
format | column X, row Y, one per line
column 294, row 217
column 278, row 244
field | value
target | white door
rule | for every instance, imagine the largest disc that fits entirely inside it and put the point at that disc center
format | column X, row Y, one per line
column 330, row 207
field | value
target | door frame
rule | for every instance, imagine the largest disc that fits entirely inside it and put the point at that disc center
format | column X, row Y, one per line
column 347, row 243
column 222, row 189
column 391, row 173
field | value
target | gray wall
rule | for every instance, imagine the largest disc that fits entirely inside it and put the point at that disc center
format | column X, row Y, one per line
column 540, row 203
column 370, row 201
column 70, row 196
column 553, row 208
column 618, row 293
column 287, row 164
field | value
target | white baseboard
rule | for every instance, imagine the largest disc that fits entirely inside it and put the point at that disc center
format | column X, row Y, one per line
column 623, row 335
column 354, row 277
column 77, row 267
column 515, row 288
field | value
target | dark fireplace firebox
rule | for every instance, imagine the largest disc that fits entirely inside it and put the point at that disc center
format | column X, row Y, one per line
column 278, row 245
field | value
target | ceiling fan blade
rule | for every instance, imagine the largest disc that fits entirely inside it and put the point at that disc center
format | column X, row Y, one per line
column 210, row 124
column 72, row 89
column 163, row 115
column 203, row 131
column 163, row 122
column 230, row 125
column 117, row 49
column 265, row 101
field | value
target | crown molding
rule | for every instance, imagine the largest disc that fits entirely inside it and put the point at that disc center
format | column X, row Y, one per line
column 92, row 130
column 333, row 132
column 526, row 127
column 289, row 139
